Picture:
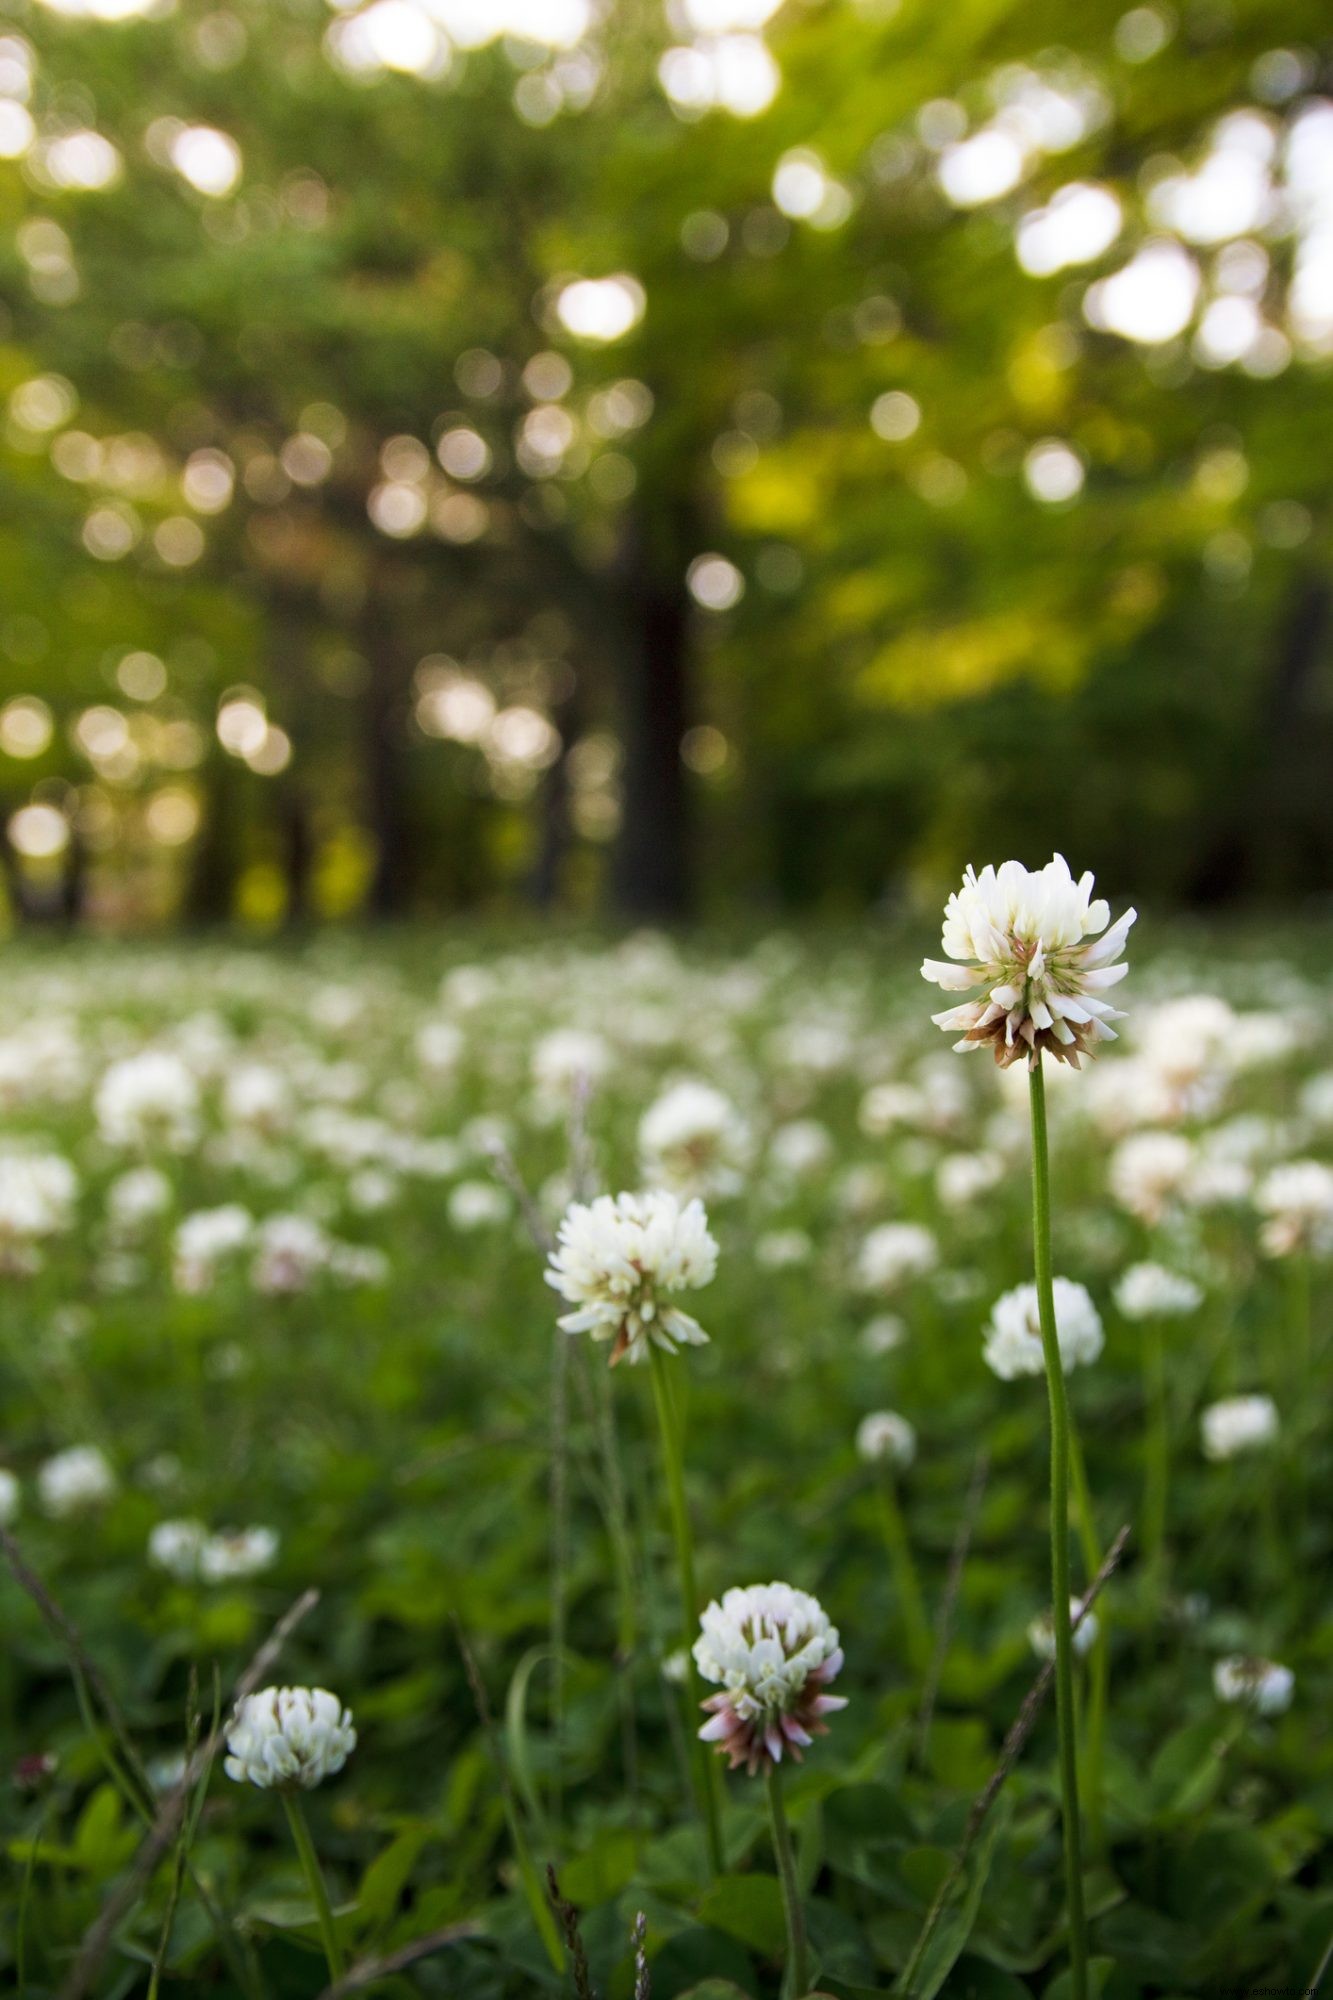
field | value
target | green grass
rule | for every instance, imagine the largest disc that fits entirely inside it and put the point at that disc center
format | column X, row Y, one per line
column 398, row 1436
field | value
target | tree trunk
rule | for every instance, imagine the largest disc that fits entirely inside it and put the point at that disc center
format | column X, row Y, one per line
column 384, row 746
column 211, row 891
column 553, row 803
column 1277, row 822
column 651, row 874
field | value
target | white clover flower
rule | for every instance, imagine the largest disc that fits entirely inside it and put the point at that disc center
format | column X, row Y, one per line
column 289, row 1738
column 10, row 1495
column 176, row 1547
column 1236, row 1424
column 236, row 1553
column 37, row 1195
column 885, row 1438
column 136, row 1197
column 675, row 1667
column 258, row 1098
column 882, row 1334
column 694, row 1141
column 203, row 1240
column 800, row 1147
column 478, row 1205
column 74, row 1479
column 893, row 1253
column 1297, row 1199
column 1024, row 935
column 1013, row 1335
column 439, row 1048
column 1256, row 1683
column 962, row 1178
column 773, row 1652
column 781, row 1249
column 290, row 1253
column 565, row 1060
column 1041, row 1632
column 1150, row 1291
column 148, row 1099
column 619, row 1259
column 1148, row 1170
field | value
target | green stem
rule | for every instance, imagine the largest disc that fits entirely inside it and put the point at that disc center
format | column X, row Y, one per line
column 1099, row 1664
column 798, row 1957
column 689, row 1594
column 1060, row 1593
column 915, row 1623
column 1157, row 1459
column 305, row 1848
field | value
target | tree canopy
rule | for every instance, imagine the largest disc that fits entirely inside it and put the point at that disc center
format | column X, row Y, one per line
column 733, row 453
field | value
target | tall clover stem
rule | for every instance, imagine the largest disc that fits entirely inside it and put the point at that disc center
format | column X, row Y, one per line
column 305, row 1848
column 1099, row 1666
column 798, row 1958
column 1060, row 1592
column 680, row 1527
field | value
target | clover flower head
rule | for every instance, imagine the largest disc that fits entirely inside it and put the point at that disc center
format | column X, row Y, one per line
column 289, row 1738
column 619, row 1260
column 773, row 1653
column 1259, row 1684
column 693, row 1140
column 1150, row 1291
column 1236, row 1424
column 1013, row 1335
column 1039, row 945
column 1041, row 1632
column 74, row 1479
column 885, row 1438
column 894, row 1253
column 1297, row 1201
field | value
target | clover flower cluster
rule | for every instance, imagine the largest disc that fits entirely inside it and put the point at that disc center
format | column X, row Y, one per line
column 1013, row 1335
column 619, row 1260
column 289, row 1738
column 773, row 1653
column 1238, row 1424
column 1039, row 945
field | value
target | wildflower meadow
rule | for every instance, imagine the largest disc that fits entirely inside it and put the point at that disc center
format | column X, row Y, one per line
column 430, row 1568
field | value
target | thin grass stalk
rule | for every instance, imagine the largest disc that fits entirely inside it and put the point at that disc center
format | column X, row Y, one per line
column 1060, row 1587
column 797, row 1980
column 669, row 1429
column 538, row 1907
column 1019, row 1731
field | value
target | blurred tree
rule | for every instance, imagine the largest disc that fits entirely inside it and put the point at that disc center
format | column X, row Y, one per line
column 494, row 445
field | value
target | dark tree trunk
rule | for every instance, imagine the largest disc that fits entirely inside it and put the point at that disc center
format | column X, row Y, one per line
column 553, row 803
column 1279, row 829
column 298, row 851
column 651, row 876
column 74, row 879
column 211, row 892
column 384, row 744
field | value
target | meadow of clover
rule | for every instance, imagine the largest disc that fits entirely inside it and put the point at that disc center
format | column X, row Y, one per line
column 287, row 1237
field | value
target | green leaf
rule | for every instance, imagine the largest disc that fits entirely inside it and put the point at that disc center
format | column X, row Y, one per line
column 599, row 1874
column 1062, row 1987
column 385, row 1879
column 748, row 1907
column 955, row 1925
